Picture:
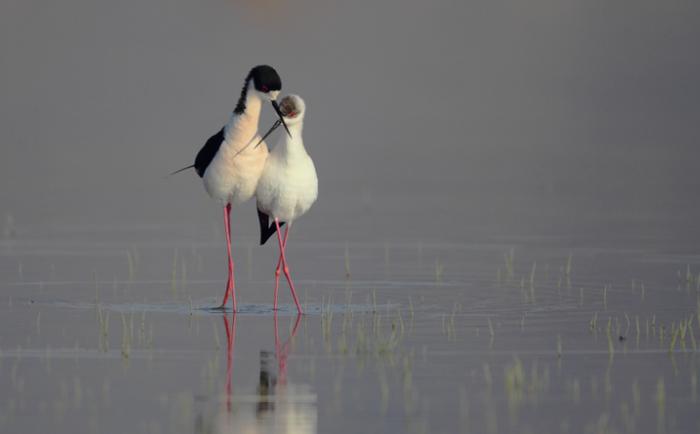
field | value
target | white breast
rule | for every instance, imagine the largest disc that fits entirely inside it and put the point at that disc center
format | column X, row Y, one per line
column 288, row 185
column 233, row 174
column 232, row 178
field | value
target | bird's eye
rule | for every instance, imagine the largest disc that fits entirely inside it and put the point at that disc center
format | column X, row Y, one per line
column 264, row 89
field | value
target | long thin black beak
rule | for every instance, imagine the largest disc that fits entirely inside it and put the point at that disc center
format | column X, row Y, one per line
column 272, row 128
column 279, row 113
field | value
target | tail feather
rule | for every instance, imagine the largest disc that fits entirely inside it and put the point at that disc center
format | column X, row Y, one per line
column 181, row 170
column 267, row 229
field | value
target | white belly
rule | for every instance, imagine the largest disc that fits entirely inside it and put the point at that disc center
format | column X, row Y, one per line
column 287, row 189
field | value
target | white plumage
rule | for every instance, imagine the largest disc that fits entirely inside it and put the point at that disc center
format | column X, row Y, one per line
column 233, row 173
column 288, row 185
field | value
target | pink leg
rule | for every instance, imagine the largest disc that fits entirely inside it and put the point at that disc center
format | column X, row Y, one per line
column 286, row 266
column 279, row 265
column 230, row 286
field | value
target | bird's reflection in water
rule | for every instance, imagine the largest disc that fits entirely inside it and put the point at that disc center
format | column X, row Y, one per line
column 269, row 382
column 278, row 405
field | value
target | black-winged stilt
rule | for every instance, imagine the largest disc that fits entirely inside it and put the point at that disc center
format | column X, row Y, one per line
column 288, row 185
column 229, row 167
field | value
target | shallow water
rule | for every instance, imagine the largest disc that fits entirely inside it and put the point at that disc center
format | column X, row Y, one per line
column 509, row 334
column 446, row 135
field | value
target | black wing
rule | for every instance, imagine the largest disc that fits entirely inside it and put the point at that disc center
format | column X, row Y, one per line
column 266, row 228
column 207, row 153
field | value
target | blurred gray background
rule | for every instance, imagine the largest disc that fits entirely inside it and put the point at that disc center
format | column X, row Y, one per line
column 436, row 120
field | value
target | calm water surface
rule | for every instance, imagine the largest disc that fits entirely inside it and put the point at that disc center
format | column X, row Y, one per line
column 113, row 333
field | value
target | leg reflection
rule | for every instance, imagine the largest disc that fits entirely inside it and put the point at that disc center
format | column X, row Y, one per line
column 230, row 342
column 282, row 351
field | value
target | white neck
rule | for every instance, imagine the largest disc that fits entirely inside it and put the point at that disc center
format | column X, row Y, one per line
column 290, row 146
column 243, row 127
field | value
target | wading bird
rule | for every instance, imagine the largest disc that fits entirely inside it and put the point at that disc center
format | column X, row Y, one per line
column 228, row 165
column 288, row 185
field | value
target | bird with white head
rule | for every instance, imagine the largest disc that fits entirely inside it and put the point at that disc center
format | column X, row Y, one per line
column 288, row 185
